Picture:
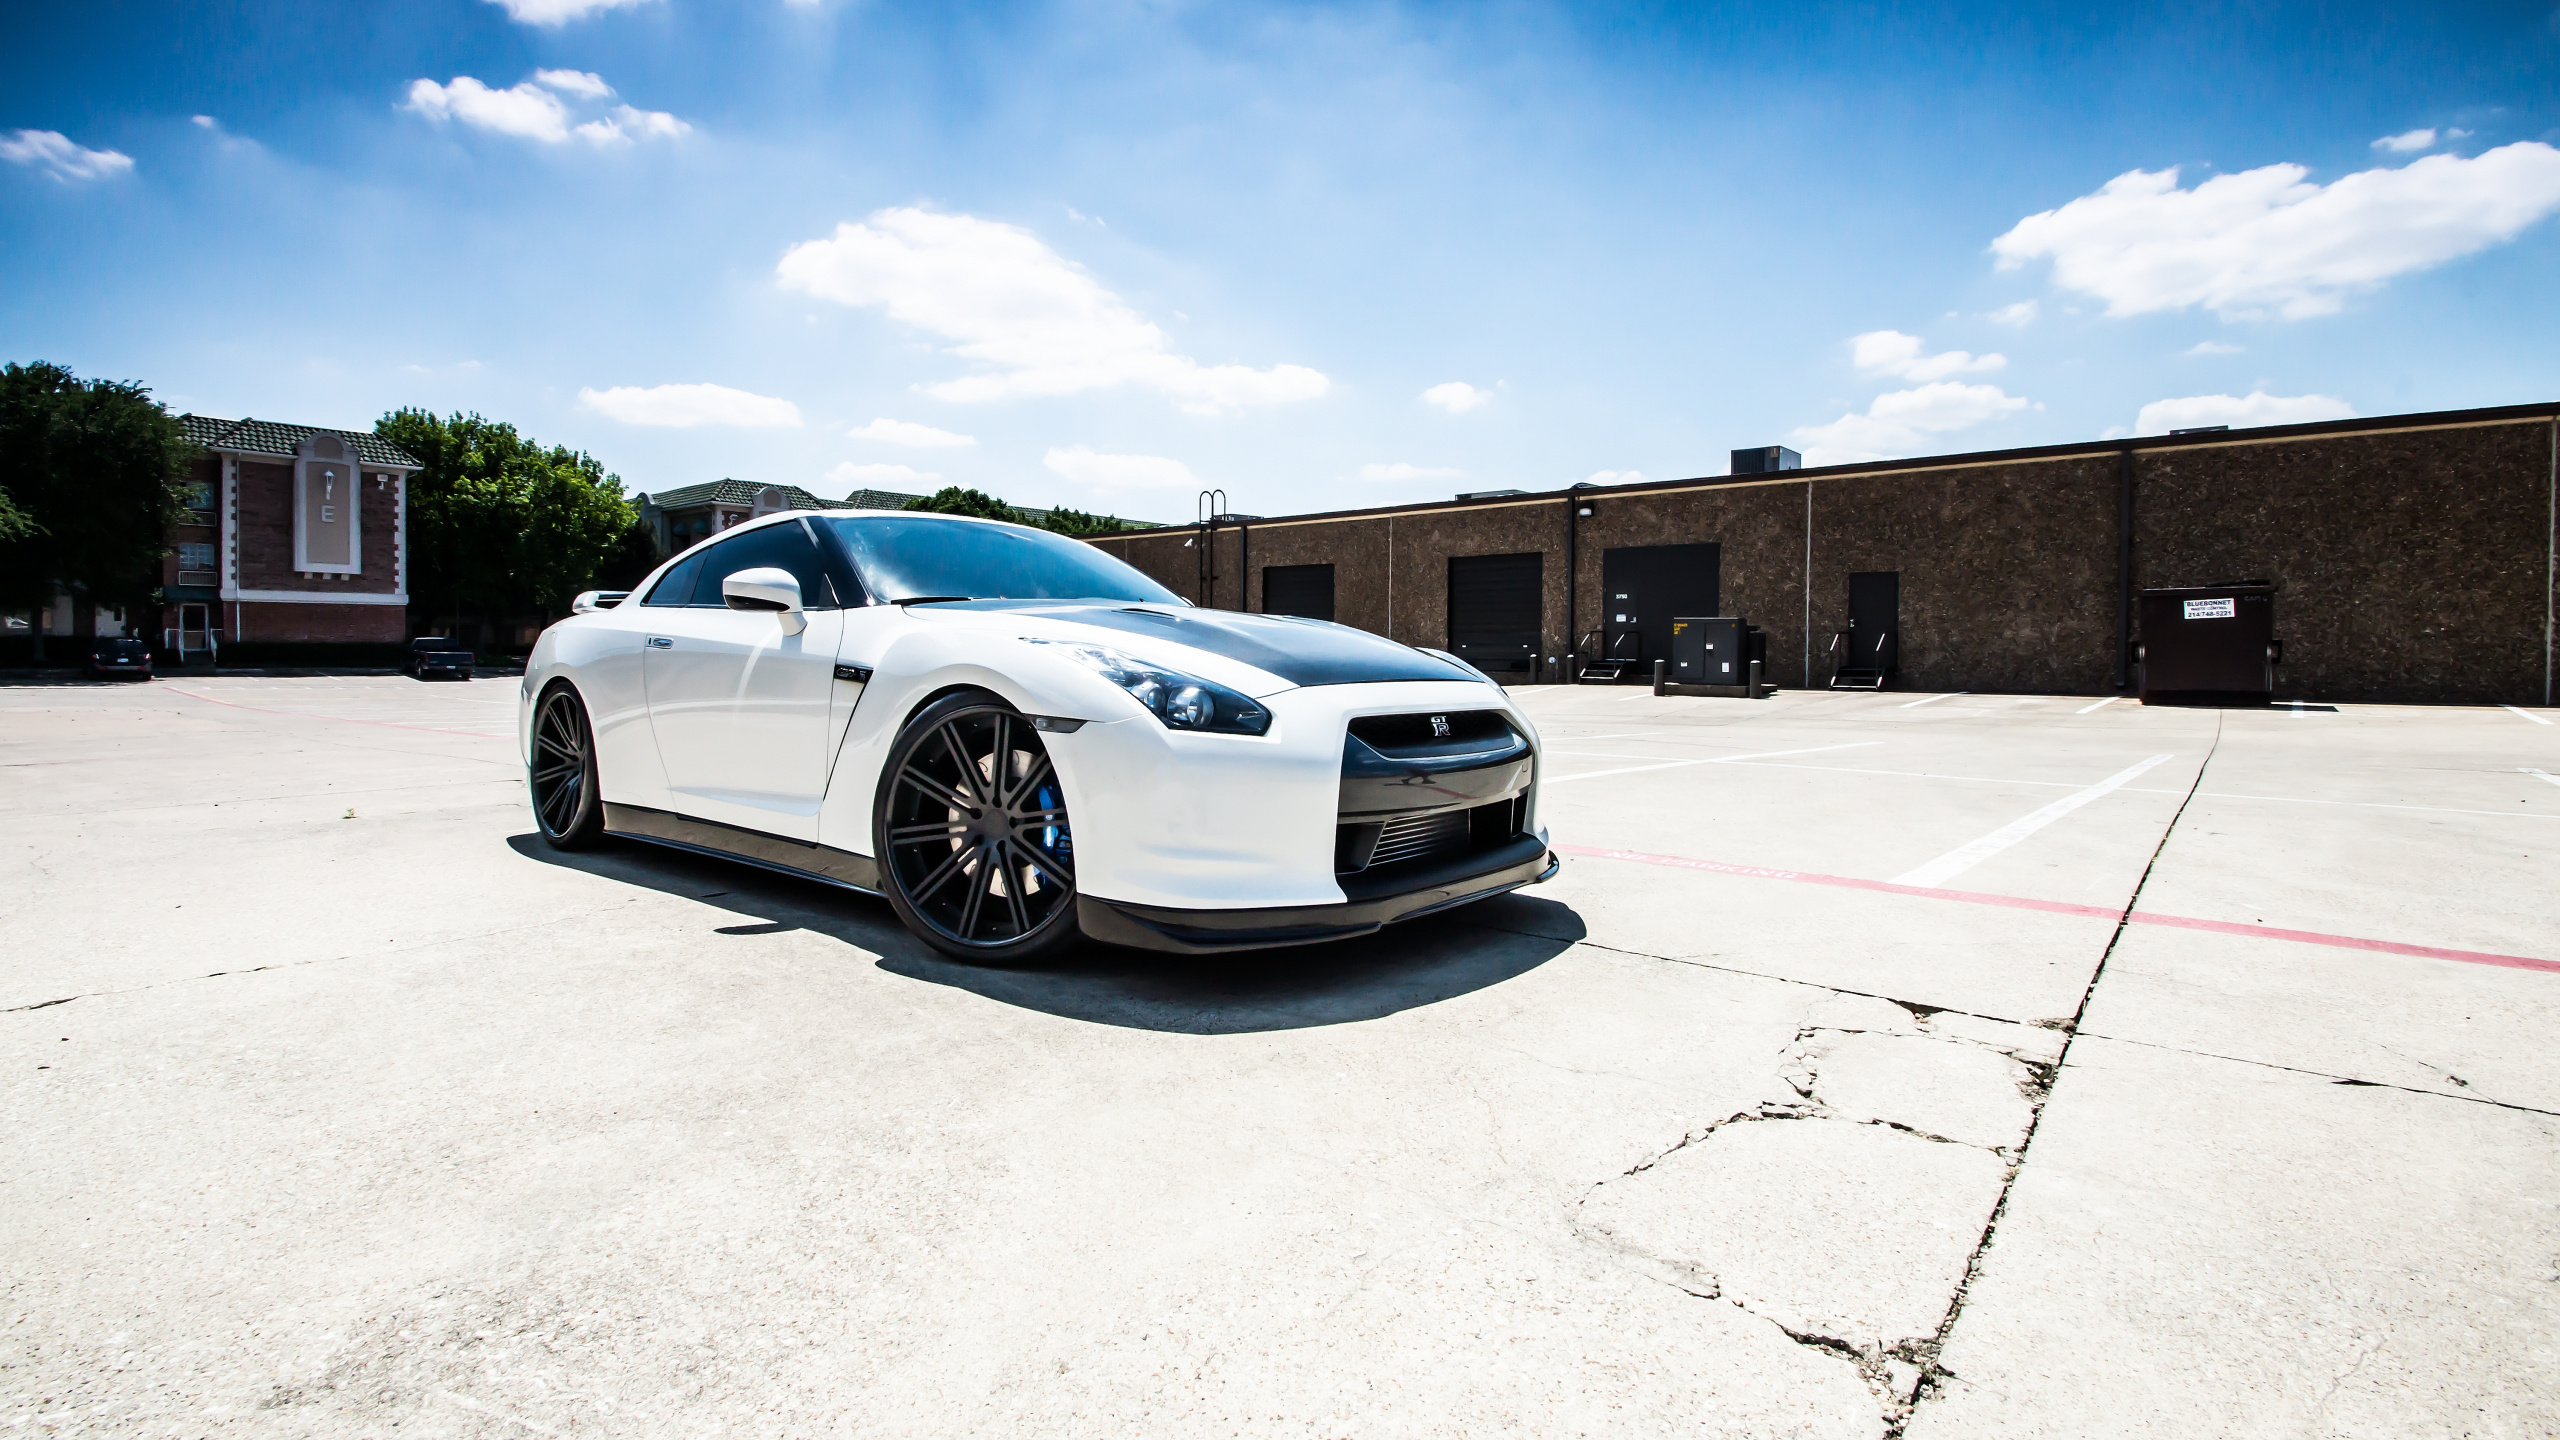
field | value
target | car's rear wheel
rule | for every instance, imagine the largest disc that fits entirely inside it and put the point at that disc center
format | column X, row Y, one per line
column 970, row 828
column 566, row 805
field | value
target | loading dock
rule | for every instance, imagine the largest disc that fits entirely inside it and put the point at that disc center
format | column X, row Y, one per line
column 1644, row 588
column 1494, row 611
column 1302, row 590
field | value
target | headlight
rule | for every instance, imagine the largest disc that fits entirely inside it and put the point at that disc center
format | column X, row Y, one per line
column 1182, row 702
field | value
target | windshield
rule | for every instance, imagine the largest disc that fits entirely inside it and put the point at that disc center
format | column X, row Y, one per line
column 901, row 557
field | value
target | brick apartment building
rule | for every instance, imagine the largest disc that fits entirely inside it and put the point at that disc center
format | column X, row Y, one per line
column 292, row 533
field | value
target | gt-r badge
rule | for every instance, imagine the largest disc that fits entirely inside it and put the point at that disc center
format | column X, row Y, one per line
column 1439, row 727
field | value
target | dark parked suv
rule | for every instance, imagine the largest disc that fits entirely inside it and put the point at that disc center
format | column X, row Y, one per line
column 129, row 658
column 436, row 655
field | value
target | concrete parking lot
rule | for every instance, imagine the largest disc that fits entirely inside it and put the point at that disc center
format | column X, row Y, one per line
column 1830, row 1090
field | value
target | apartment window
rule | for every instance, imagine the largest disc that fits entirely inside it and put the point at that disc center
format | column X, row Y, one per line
column 192, row 556
column 199, row 494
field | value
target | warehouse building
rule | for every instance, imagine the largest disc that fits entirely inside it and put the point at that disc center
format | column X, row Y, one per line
column 2411, row 559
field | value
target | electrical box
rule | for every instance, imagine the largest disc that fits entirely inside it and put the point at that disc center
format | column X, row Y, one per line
column 1709, row 650
column 2209, row 645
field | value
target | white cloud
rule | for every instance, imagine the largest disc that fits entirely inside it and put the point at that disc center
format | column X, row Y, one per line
column 1614, row 477
column 61, row 157
column 1901, row 421
column 2017, row 317
column 206, row 122
column 2407, row 141
column 1457, row 397
column 2266, row 241
column 1120, row 472
column 530, row 111
column 2212, row 347
column 584, row 83
column 1401, row 471
column 2239, row 411
column 881, row 477
column 1035, row 322
column 910, row 435
column 557, row 12
column 685, row 406
column 1890, row 352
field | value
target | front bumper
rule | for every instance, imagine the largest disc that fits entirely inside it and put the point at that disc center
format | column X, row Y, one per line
column 1481, row 876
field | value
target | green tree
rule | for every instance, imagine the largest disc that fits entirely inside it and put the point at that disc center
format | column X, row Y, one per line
column 501, row 525
column 1081, row 523
column 953, row 500
column 91, row 477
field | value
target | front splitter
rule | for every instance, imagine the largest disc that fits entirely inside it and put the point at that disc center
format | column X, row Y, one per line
column 1215, row 932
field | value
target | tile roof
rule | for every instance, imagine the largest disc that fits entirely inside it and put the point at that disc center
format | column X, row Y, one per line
column 878, row 500
column 743, row 493
column 267, row 437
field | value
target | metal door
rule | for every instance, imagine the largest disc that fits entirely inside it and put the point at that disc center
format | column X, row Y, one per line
column 1875, row 621
column 1495, row 611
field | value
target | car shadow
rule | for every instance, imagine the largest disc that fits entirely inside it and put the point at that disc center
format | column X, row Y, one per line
column 1407, row 966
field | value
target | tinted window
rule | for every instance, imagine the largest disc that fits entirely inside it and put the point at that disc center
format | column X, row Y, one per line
column 899, row 556
column 677, row 587
column 783, row 547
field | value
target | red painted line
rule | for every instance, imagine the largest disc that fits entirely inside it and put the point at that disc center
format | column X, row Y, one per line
column 2057, row 907
column 341, row 719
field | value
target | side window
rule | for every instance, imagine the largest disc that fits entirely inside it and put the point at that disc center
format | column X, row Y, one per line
column 677, row 587
column 783, row 547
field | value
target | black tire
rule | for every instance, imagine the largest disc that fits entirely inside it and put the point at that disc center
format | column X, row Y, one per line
column 970, row 827
column 567, row 806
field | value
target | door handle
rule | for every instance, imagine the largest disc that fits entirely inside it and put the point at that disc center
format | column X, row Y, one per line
column 661, row 642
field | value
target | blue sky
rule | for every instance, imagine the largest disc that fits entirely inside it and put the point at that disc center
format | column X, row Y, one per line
column 1319, row 255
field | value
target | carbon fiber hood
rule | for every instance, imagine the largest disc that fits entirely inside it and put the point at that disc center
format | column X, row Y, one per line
column 1301, row 652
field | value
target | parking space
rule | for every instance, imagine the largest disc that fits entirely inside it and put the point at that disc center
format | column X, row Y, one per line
column 1877, row 1064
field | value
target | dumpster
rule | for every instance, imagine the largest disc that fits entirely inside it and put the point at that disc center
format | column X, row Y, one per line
column 2209, row 645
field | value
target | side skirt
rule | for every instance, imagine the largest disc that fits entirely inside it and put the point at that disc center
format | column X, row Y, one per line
column 754, row 847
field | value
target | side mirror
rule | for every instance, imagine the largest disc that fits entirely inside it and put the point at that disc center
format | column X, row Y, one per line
column 766, row 588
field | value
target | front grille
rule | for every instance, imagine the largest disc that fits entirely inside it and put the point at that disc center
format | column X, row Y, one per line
column 1420, row 837
column 1424, row 837
column 1426, row 737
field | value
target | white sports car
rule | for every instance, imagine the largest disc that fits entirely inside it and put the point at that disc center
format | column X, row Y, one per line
column 1018, row 739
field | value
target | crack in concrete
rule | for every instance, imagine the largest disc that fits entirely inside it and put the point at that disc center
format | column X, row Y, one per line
column 394, row 949
column 2334, row 1079
column 1931, row 1372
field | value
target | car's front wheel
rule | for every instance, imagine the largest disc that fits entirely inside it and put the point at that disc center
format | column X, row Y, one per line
column 970, row 827
column 566, row 805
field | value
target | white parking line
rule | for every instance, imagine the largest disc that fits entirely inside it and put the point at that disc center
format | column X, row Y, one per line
column 2529, row 770
column 2297, row 708
column 1709, row 760
column 1964, row 857
column 2085, row 709
column 1932, row 700
column 2529, row 715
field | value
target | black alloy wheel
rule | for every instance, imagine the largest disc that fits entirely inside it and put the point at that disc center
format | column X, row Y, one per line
column 566, row 806
column 971, row 831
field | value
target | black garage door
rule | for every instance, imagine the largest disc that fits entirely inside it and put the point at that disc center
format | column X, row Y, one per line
column 1303, row 590
column 1494, row 610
